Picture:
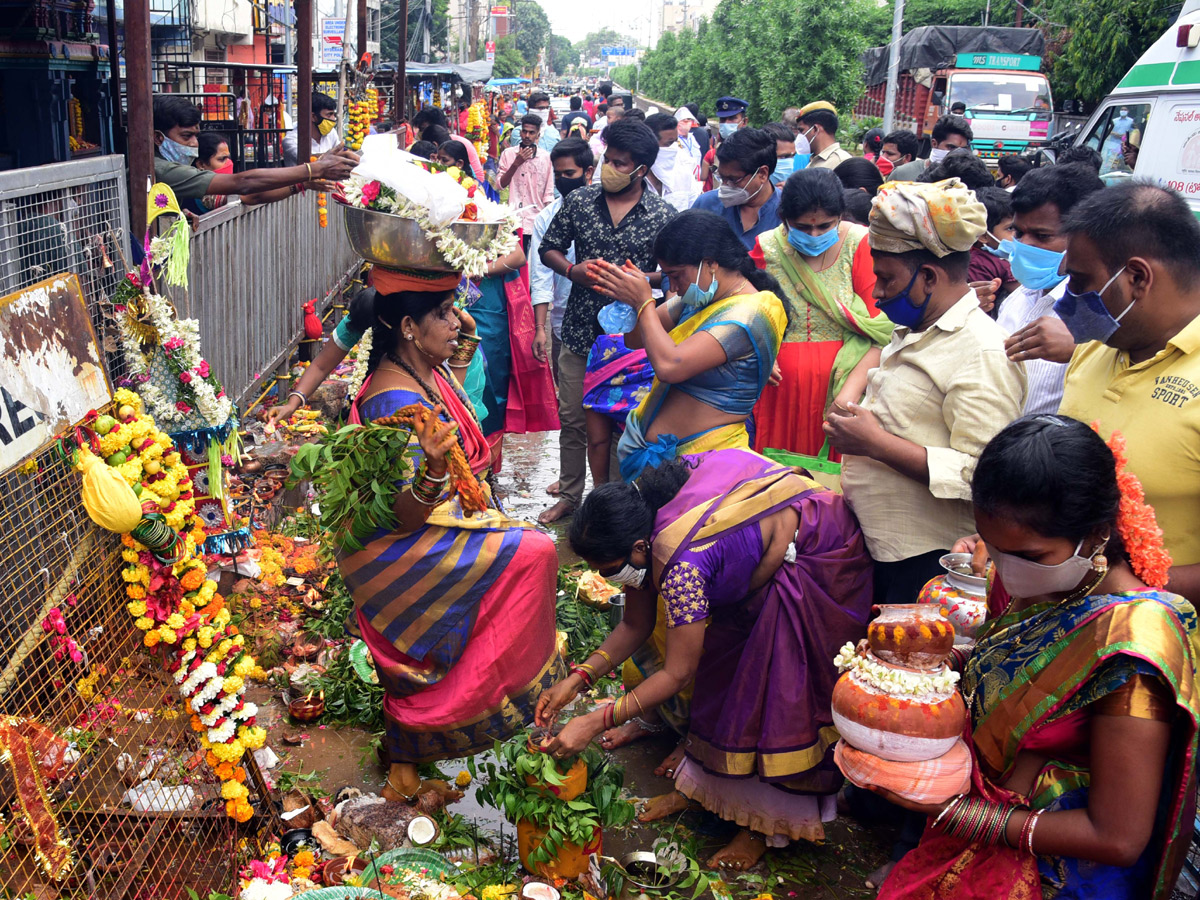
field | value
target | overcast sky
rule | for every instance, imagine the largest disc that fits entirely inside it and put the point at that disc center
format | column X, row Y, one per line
column 576, row 18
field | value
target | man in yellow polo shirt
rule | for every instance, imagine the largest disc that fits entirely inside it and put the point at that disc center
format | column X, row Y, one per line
column 1133, row 304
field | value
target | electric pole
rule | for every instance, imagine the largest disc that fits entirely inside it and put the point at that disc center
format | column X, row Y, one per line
column 428, row 22
column 893, row 74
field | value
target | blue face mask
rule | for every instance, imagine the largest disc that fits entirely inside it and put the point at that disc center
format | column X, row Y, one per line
column 1003, row 250
column 800, row 161
column 783, row 168
column 173, row 151
column 901, row 309
column 727, row 128
column 812, row 244
column 1035, row 268
column 1086, row 316
column 698, row 297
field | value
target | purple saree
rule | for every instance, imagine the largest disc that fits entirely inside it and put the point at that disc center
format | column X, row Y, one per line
column 761, row 708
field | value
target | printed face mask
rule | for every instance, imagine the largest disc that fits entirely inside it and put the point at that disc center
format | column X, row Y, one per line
column 173, row 151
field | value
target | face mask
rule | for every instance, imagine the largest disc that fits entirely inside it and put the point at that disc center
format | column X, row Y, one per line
column 566, row 185
column 325, row 126
column 1023, row 578
column 696, row 297
column 628, row 576
column 812, row 244
column 901, row 309
column 173, row 151
column 1086, row 316
column 664, row 164
column 884, row 165
column 735, row 196
column 613, row 181
column 936, row 155
column 543, row 114
column 684, row 128
column 1002, row 250
column 783, row 168
column 1035, row 268
column 727, row 128
column 226, row 168
column 800, row 161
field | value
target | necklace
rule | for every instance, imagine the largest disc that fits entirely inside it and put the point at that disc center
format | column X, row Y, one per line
column 430, row 394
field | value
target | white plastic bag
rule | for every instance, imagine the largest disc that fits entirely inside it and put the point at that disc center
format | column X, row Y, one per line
column 384, row 161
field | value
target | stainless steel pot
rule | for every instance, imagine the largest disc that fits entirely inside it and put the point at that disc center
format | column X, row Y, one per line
column 399, row 243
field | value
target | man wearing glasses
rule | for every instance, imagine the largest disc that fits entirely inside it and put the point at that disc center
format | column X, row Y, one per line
column 745, row 196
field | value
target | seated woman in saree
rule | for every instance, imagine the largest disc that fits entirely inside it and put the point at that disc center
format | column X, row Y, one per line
column 1081, row 695
column 457, row 609
column 763, row 573
column 712, row 347
column 824, row 265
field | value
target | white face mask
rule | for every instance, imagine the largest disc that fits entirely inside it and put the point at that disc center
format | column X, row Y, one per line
column 628, row 576
column 1023, row 578
column 543, row 114
column 936, row 155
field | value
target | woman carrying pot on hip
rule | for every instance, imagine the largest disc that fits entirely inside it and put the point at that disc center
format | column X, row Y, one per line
column 764, row 575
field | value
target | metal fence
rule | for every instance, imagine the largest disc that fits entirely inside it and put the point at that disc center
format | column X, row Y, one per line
column 251, row 271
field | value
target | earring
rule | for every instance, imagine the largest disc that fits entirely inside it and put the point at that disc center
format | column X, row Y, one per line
column 408, row 337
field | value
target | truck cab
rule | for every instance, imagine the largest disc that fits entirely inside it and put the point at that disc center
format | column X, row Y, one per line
column 1149, row 126
column 1008, row 101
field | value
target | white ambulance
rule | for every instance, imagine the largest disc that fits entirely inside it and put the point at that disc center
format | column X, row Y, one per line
column 1149, row 126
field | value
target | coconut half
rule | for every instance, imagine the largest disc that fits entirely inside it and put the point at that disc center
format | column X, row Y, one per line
column 422, row 831
column 537, row 890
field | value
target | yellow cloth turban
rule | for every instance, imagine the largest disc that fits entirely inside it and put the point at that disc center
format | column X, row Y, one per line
column 942, row 218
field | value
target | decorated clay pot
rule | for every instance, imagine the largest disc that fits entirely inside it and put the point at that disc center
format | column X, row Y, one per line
column 574, row 782
column 569, row 862
column 901, row 727
column 912, row 635
column 965, row 611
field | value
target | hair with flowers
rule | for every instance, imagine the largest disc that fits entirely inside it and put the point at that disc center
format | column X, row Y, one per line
column 1136, row 522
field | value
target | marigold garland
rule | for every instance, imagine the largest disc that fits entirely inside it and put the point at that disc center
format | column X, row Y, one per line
column 178, row 607
column 1137, row 523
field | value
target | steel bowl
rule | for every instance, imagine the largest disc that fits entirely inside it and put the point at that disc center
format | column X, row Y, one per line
column 399, row 243
column 646, row 871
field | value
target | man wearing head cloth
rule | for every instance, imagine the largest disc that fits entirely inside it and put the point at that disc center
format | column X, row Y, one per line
column 935, row 395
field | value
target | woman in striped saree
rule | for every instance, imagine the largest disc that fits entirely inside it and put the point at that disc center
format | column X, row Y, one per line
column 457, row 609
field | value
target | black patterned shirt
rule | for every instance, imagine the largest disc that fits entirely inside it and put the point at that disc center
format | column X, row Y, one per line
column 584, row 221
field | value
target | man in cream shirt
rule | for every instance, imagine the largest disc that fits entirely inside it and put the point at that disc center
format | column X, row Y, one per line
column 938, row 392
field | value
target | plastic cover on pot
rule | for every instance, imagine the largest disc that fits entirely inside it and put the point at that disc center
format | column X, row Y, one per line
column 382, row 160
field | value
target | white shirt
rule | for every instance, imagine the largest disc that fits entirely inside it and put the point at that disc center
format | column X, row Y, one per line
column 320, row 145
column 1045, row 378
column 546, row 285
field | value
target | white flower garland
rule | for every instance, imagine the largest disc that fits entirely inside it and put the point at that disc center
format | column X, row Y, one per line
column 892, row 681
column 359, row 373
column 261, row 889
column 459, row 255
column 215, row 410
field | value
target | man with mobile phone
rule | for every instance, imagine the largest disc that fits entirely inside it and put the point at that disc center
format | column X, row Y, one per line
column 528, row 175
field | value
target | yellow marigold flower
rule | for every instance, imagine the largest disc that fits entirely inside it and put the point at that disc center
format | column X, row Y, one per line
column 231, row 790
column 259, row 673
column 189, row 645
column 130, row 556
column 167, row 634
column 175, row 620
column 463, row 779
column 145, row 623
column 256, row 602
column 244, row 667
column 253, row 738
column 169, row 714
column 233, row 684
column 137, row 608
column 498, row 891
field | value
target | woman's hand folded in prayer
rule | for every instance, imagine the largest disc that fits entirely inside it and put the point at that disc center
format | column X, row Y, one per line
column 627, row 283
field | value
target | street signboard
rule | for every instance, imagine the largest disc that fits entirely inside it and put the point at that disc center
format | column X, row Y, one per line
column 332, row 31
column 499, row 10
column 1019, row 61
column 490, row 46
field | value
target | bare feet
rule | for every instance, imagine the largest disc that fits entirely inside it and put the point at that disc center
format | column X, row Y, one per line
column 553, row 490
column 879, row 876
column 740, row 854
column 662, row 806
column 625, row 734
column 669, row 765
column 559, row 510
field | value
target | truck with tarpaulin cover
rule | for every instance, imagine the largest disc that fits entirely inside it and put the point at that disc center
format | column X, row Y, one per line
column 994, row 72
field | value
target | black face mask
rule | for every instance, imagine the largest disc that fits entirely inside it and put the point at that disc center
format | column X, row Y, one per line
column 566, row 185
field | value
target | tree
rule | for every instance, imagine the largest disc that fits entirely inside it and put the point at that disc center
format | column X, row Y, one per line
column 605, row 37
column 439, row 37
column 532, row 30
column 510, row 63
column 1102, row 42
column 560, row 54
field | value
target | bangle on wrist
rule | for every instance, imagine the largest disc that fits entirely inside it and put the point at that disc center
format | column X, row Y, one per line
column 300, row 394
column 643, row 306
column 567, row 274
column 308, row 167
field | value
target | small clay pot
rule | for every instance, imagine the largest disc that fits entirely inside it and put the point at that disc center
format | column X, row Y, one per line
column 335, row 870
column 277, row 474
column 575, row 782
column 913, row 635
column 249, row 467
column 307, row 709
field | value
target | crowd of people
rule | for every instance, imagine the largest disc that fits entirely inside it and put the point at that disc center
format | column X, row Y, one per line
column 1001, row 361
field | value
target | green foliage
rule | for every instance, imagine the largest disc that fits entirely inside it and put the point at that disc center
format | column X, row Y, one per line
column 1103, row 40
column 348, row 699
column 439, row 36
column 338, row 604
column 565, row 821
column 509, row 62
column 533, row 30
column 586, row 627
column 354, row 471
column 561, row 54
column 627, row 77
column 309, row 782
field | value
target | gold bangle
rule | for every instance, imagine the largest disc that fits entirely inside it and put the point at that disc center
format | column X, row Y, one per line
column 607, row 658
column 619, row 712
column 308, row 167
column 643, row 306
column 641, row 711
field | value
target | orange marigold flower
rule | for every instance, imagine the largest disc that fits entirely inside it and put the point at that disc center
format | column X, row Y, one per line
column 135, row 591
column 224, row 771
column 209, row 757
column 151, row 639
column 197, row 725
column 192, row 579
column 239, row 774
column 1137, row 523
column 127, row 541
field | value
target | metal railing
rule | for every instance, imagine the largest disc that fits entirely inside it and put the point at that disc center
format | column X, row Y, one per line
column 251, row 271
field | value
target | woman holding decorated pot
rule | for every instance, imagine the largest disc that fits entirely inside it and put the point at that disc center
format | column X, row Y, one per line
column 824, row 265
column 1081, row 693
column 456, row 606
column 764, row 575
column 712, row 347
